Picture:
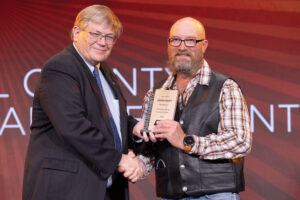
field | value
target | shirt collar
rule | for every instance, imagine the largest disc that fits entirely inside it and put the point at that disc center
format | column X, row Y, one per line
column 91, row 67
column 204, row 74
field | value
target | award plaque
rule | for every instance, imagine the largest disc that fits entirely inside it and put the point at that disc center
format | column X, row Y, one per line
column 162, row 105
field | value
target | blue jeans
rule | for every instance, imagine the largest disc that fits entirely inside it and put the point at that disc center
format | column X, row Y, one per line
column 217, row 196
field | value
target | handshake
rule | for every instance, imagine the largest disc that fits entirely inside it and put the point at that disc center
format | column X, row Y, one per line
column 132, row 167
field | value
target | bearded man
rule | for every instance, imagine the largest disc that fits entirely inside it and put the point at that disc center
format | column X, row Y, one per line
column 200, row 154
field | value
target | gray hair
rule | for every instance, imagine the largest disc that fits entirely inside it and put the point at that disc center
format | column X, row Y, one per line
column 98, row 14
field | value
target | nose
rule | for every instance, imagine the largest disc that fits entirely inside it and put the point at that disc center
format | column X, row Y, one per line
column 102, row 41
column 182, row 46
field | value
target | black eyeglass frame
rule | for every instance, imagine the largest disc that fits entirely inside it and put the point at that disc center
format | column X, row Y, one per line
column 184, row 41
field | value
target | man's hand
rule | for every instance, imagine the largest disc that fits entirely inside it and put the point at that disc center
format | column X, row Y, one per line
column 170, row 130
column 138, row 127
column 131, row 167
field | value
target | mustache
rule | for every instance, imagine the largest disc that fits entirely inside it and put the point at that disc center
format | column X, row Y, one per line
column 185, row 53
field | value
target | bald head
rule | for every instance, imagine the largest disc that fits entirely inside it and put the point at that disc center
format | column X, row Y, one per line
column 188, row 27
column 186, row 57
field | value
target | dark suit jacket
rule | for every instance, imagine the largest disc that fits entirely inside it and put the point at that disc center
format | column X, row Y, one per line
column 71, row 150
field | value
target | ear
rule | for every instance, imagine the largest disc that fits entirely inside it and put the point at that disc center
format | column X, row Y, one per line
column 76, row 31
column 204, row 45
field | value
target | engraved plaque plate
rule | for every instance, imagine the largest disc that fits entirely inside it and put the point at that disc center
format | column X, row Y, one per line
column 162, row 106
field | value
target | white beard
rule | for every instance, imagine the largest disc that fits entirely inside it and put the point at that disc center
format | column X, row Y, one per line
column 183, row 67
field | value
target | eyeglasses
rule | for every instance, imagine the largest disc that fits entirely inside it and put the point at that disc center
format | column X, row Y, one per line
column 109, row 38
column 176, row 42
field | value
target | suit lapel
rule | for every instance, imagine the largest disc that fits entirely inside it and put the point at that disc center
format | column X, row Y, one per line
column 112, row 80
column 107, row 73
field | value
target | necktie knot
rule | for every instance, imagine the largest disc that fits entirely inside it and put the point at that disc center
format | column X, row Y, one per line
column 96, row 72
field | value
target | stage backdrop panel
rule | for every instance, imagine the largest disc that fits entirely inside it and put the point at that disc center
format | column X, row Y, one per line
column 255, row 42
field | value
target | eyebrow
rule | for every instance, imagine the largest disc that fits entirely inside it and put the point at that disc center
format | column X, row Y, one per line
column 103, row 33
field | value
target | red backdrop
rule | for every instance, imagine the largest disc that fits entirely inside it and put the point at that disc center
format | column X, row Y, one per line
column 256, row 42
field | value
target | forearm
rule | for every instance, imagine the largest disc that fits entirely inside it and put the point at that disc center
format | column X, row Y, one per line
column 226, row 145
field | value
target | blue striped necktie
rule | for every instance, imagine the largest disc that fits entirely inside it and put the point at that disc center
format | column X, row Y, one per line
column 117, row 140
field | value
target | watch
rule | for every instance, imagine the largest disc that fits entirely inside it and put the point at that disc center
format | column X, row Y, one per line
column 188, row 143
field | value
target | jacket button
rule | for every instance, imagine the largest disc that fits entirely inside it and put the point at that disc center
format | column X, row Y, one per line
column 184, row 188
column 181, row 122
column 182, row 166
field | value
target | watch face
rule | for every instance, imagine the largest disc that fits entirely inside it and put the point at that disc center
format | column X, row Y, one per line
column 189, row 140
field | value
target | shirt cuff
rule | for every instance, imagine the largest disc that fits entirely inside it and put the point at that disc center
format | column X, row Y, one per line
column 137, row 139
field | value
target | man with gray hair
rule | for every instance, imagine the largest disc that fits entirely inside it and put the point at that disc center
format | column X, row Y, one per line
column 80, row 130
